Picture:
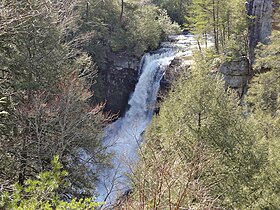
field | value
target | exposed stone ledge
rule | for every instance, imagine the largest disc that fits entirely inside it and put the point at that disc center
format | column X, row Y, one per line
column 236, row 74
column 238, row 67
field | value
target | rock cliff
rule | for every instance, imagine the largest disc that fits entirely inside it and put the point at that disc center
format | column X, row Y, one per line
column 236, row 74
column 120, row 80
column 260, row 28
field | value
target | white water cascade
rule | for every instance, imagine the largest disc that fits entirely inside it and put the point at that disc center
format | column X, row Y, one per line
column 123, row 137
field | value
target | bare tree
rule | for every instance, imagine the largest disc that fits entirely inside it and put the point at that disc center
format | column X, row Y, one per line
column 164, row 180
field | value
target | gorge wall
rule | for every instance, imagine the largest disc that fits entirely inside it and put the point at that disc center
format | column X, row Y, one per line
column 261, row 23
column 237, row 73
column 122, row 70
column 120, row 80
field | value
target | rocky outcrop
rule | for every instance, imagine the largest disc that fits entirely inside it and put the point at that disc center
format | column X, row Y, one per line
column 236, row 74
column 177, row 67
column 120, row 80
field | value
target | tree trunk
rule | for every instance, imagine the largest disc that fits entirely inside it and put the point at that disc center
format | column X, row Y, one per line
column 215, row 27
column 122, row 9
column 228, row 25
column 199, row 46
column 23, row 163
column 206, row 41
column 87, row 12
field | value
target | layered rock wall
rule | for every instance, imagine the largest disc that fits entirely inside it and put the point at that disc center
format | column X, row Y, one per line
column 236, row 74
column 120, row 80
column 261, row 12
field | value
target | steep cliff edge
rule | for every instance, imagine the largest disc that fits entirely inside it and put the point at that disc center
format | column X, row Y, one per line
column 260, row 27
column 120, row 80
column 238, row 72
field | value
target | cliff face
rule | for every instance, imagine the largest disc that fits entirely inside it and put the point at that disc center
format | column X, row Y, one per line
column 237, row 73
column 261, row 27
column 261, row 23
column 122, row 70
column 121, row 78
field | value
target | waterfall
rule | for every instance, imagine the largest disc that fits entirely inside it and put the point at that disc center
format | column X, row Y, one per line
column 123, row 137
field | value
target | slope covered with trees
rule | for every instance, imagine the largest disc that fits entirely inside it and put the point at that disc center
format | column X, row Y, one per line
column 43, row 98
column 48, row 56
column 201, row 146
column 205, row 149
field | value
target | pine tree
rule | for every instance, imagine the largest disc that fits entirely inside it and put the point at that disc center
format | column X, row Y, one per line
column 225, row 21
column 41, row 193
column 199, row 19
column 264, row 111
column 200, row 148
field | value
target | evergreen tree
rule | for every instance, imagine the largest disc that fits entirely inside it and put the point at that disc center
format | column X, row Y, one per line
column 264, row 105
column 225, row 21
column 41, row 193
column 45, row 99
column 176, row 9
column 201, row 136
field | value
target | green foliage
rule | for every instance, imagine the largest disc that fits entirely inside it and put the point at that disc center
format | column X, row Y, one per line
column 142, row 27
column 41, row 193
column 200, row 17
column 264, row 93
column 33, row 55
column 202, row 135
column 267, row 56
column 100, row 17
column 225, row 21
column 44, row 80
column 235, row 37
column 176, row 9
column 264, row 108
column 266, row 128
column 143, row 34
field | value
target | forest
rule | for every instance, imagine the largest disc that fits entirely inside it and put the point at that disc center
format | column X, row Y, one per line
column 68, row 70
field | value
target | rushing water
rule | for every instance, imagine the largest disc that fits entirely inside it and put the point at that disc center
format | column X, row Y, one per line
column 123, row 137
